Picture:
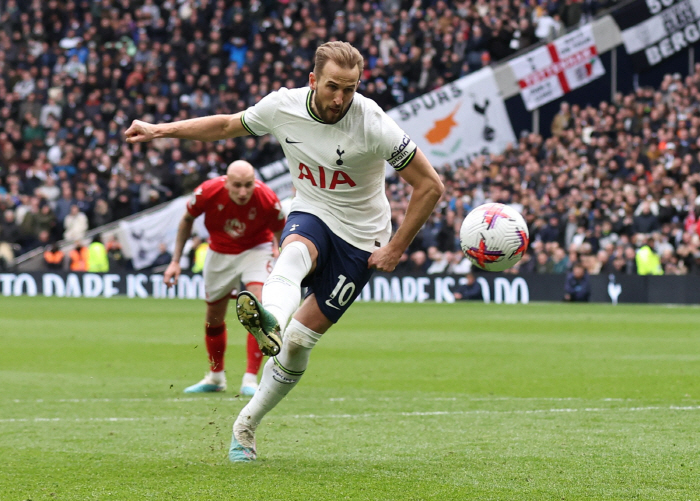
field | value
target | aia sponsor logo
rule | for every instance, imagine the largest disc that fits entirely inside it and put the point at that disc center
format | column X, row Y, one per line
column 320, row 179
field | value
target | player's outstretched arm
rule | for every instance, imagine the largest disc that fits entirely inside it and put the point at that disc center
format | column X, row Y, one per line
column 427, row 190
column 184, row 231
column 211, row 128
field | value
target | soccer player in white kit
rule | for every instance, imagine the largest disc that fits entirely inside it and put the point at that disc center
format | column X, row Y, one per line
column 337, row 143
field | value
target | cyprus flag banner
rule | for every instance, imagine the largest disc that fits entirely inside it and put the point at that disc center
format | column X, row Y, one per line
column 459, row 121
column 549, row 72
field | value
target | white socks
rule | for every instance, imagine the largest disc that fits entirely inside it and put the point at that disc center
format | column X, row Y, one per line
column 250, row 380
column 282, row 289
column 218, row 377
column 281, row 297
column 280, row 374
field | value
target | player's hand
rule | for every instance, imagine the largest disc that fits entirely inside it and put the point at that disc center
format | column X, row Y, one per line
column 172, row 273
column 385, row 259
column 139, row 132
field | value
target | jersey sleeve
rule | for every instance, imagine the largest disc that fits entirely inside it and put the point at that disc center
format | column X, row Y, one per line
column 258, row 120
column 389, row 141
column 197, row 203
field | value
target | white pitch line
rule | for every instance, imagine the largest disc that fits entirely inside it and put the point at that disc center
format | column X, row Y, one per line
column 372, row 415
column 87, row 420
column 332, row 399
column 117, row 400
column 477, row 411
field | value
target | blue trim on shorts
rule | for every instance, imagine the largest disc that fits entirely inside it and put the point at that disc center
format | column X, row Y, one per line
column 341, row 269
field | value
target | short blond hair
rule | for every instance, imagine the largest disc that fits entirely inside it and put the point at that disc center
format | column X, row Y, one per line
column 341, row 53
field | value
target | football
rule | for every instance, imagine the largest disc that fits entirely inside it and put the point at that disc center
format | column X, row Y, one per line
column 494, row 236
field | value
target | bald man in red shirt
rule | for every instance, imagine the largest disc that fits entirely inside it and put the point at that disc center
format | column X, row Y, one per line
column 244, row 219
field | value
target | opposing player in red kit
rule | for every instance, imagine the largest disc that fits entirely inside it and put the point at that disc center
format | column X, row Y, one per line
column 242, row 216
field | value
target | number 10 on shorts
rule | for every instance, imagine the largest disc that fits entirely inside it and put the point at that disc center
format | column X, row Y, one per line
column 343, row 291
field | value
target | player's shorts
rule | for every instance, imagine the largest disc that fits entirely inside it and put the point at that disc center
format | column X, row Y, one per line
column 341, row 269
column 225, row 272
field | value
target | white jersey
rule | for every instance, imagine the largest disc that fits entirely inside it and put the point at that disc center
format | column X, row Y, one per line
column 338, row 169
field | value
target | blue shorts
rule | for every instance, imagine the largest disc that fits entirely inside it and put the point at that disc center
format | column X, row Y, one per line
column 341, row 269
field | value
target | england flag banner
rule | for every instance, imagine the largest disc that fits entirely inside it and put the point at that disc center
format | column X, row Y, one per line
column 654, row 30
column 459, row 121
column 549, row 72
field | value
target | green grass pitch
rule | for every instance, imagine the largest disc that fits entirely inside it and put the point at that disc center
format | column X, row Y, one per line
column 400, row 402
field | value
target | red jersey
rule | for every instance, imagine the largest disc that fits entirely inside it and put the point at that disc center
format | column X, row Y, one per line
column 236, row 228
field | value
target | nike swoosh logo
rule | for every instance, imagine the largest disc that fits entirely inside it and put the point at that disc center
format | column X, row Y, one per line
column 286, row 140
column 328, row 303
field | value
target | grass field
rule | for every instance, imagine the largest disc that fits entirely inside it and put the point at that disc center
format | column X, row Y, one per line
column 400, row 402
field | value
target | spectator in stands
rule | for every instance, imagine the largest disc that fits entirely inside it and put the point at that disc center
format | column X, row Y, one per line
column 645, row 221
column 163, row 258
column 49, row 191
column 198, row 253
column 36, row 219
column 604, row 263
column 39, row 241
column 101, row 214
column 460, row 264
column 560, row 261
column 75, row 224
column 499, row 42
column 526, row 265
column 695, row 264
column 552, row 231
column 648, row 261
column 563, row 120
column 78, row 257
column 46, row 219
column 64, row 203
column 630, row 260
column 115, row 255
column 469, row 290
column 523, row 34
column 476, row 45
column 9, row 240
column 53, row 257
column 417, row 263
column 544, row 263
column 439, row 261
column 549, row 27
column 577, row 287
column 98, row 260
column 570, row 12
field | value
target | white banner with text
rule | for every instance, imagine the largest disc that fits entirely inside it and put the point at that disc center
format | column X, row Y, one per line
column 548, row 72
column 459, row 121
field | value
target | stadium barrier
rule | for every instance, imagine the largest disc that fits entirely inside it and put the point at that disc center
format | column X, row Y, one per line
column 496, row 287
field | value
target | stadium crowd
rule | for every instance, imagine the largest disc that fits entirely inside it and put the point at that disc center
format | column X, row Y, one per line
column 616, row 187
column 75, row 73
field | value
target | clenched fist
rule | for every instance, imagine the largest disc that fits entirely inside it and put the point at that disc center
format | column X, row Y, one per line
column 385, row 258
column 139, row 132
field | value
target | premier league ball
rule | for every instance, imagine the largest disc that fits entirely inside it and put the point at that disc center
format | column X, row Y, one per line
column 494, row 236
